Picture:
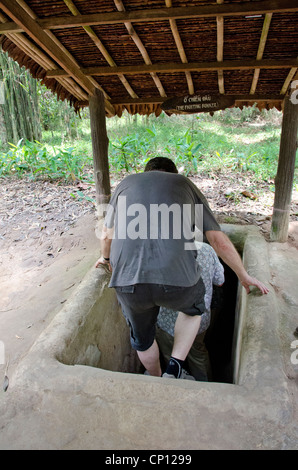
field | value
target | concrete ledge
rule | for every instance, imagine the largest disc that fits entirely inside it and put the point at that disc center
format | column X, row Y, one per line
column 52, row 405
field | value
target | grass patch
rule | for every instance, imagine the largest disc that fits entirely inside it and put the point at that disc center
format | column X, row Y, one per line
column 228, row 141
column 41, row 160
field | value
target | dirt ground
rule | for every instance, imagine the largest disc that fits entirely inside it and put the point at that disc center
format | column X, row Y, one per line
column 48, row 242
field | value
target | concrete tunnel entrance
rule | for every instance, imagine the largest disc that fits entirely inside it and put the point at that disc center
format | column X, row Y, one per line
column 106, row 407
column 101, row 336
column 219, row 338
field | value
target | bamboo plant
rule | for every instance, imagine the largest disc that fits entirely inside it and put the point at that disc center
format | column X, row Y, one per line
column 20, row 116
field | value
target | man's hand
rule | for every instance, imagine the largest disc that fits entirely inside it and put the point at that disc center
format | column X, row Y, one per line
column 101, row 261
column 105, row 248
column 252, row 281
column 228, row 253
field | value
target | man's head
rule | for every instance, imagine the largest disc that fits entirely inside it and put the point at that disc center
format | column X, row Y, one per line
column 161, row 164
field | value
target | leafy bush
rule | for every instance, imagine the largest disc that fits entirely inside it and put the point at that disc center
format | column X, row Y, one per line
column 196, row 143
column 37, row 160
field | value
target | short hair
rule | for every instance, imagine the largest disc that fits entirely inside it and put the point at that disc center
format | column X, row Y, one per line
column 161, row 164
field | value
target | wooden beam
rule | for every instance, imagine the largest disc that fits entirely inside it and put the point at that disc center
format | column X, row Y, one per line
column 67, row 81
column 45, row 62
column 158, row 99
column 30, row 26
column 285, row 173
column 159, row 14
column 91, row 33
column 181, row 51
column 10, row 27
column 133, row 34
column 30, row 12
column 288, row 80
column 32, row 51
column 261, row 49
column 180, row 67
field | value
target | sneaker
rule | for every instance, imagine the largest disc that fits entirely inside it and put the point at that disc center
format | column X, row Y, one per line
column 184, row 375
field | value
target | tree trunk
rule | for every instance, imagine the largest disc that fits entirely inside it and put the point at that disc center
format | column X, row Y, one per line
column 285, row 173
column 100, row 144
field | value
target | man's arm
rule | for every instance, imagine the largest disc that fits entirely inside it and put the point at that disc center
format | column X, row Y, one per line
column 105, row 247
column 228, row 253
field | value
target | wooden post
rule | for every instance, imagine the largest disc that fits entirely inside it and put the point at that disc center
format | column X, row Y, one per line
column 100, row 144
column 285, row 172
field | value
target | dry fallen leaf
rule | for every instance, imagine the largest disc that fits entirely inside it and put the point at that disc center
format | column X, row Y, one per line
column 249, row 194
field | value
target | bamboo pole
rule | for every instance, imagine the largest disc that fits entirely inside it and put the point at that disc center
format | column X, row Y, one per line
column 73, row 9
column 180, row 48
column 262, row 44
column 44, row 61
column 134, row 36
column 290, row 77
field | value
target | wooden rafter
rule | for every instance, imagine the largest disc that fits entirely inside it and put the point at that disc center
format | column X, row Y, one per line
column 41, row 59
column 43, row 46
column 101, row 47
column 179, row 67
column 20, row 16
column 159, row 14
column 24, row 5
column 181, row 50
column 293, row 75
column 261, row 49
column 159, row 100
column 220, row 45
column 133, row 34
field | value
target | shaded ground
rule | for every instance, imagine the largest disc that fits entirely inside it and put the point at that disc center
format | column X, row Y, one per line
column 48, row 242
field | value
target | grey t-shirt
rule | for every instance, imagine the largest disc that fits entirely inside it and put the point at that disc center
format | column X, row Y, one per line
column 154, row 215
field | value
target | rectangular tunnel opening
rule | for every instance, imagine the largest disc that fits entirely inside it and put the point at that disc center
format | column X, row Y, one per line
column 101, row 339
column 219, row 338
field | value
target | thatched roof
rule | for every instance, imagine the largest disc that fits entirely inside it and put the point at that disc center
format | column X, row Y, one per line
column 140, row 53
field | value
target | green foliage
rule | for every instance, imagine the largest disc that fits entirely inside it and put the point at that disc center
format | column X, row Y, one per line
column 131, row 152
column 231, row 140
column 81, row 196
column 38, row 160
column 185, row 149
column 58, row 115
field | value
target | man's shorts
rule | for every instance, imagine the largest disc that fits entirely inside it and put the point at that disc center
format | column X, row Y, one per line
column 140, row 305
